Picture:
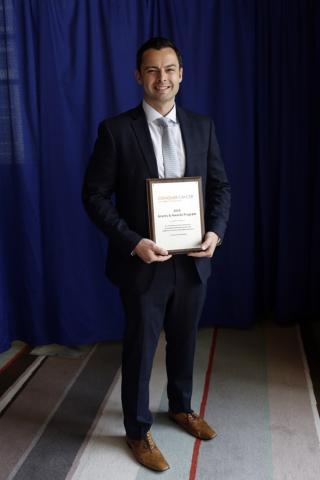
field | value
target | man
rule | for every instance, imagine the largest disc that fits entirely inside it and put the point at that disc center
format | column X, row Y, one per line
column 157, row 290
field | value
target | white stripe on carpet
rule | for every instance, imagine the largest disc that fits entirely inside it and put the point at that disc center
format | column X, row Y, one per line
column 106, row 454
column 313, row 400
column 295, row 444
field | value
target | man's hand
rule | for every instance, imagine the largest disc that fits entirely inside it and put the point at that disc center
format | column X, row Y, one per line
column 211, row 240
column 150, row 252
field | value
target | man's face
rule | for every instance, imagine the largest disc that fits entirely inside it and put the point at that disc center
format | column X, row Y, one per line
column 160, row 76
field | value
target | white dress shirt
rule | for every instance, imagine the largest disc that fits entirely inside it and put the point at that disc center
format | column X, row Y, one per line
column 156, row 136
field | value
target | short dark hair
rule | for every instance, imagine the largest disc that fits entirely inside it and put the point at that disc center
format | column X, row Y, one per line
column 157, row 43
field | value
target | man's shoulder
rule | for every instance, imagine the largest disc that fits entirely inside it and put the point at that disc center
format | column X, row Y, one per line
column 193, row 116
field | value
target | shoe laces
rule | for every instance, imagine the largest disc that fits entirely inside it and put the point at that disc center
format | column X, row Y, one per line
column 149, row 443
column 192, row 417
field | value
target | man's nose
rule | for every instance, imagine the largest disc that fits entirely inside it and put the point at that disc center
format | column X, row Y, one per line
column 162, row 75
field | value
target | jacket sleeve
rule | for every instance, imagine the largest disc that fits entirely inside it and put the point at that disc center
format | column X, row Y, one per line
column 97, row 193
column 218, row 192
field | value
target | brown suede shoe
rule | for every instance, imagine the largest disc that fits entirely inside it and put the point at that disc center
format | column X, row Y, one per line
column 193, row 424
column 147, row 453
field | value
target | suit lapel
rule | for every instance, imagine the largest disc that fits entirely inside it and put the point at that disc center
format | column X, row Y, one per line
column 186, row 126
column 141, row 129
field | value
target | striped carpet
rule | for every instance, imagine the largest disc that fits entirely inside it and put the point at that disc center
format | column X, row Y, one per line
column 60, row 417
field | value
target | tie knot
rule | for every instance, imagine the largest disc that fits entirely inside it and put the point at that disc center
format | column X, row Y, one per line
column 164, row 122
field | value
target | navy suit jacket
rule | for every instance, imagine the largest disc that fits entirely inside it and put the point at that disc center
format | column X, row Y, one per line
column 115, row 195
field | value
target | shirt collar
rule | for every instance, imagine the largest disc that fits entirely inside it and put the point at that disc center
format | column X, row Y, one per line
column 153, row 114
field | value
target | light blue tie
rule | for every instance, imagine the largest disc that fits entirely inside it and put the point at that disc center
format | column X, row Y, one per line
column 169, row 151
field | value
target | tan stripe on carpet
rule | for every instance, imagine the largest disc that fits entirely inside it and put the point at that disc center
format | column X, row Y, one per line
column 7, row 397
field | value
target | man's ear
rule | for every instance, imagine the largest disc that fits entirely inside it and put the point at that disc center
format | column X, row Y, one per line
column 137, row 74
column 180, row 74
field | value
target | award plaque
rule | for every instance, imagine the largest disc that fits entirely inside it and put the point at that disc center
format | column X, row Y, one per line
column 176, row 220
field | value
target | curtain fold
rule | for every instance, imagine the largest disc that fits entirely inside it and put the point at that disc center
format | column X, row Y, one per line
column 253, row 65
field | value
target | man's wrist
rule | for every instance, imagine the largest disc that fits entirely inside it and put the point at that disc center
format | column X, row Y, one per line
column 219, row 241
column 133, row 252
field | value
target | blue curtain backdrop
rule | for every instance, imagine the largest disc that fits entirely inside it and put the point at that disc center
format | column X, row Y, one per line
column 253, row 65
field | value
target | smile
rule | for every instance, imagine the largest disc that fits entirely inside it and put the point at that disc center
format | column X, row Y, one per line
column 162, row 87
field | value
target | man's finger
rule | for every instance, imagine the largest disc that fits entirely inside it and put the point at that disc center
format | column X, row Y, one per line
column 159, row 250
column 201, row 254
column 156, row 258
column 163, row 258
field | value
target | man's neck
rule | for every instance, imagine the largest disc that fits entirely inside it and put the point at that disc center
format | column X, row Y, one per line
column 163, row 109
